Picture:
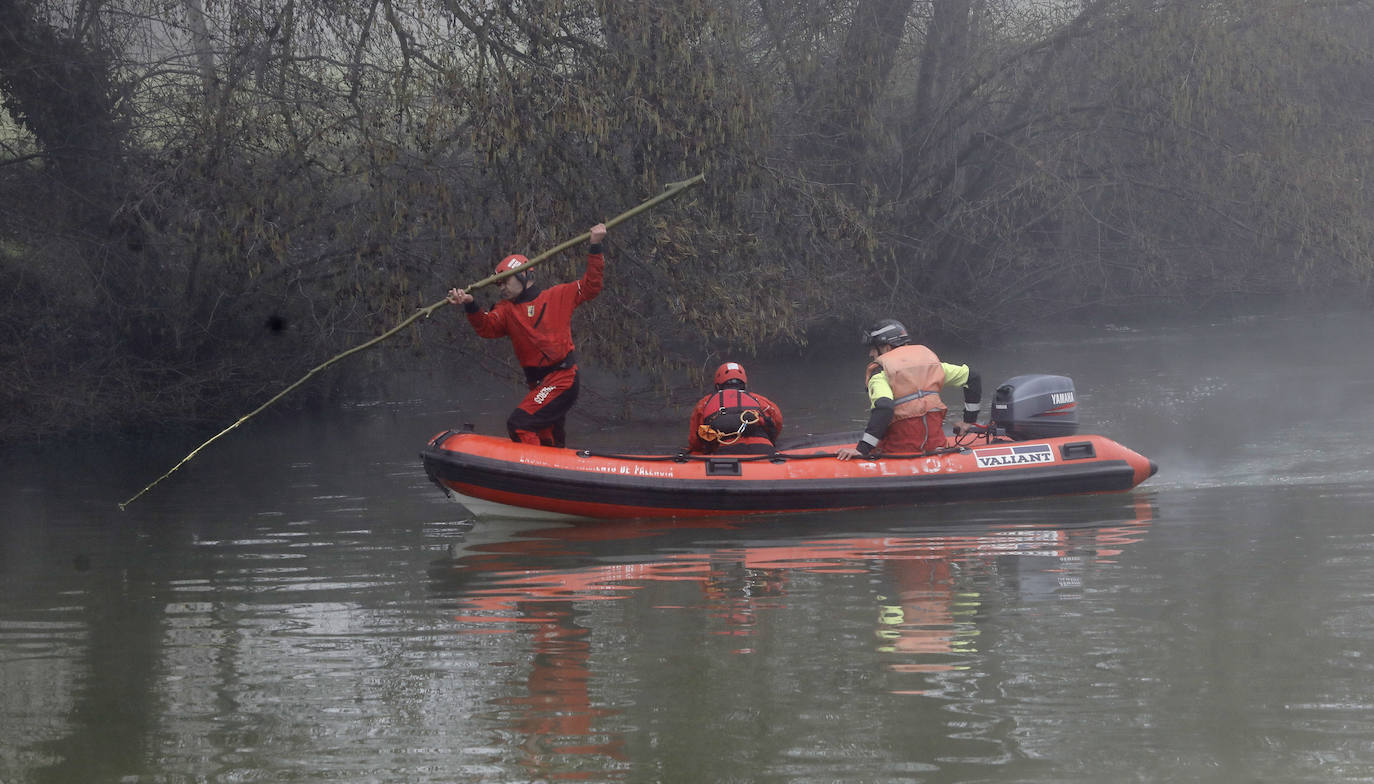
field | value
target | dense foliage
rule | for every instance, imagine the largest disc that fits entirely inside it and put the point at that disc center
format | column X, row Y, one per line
column 201, row 198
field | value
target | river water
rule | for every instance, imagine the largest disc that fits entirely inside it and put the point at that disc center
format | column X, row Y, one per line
column 300, row 604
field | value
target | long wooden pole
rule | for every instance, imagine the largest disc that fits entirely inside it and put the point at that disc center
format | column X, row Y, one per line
column 669, row 191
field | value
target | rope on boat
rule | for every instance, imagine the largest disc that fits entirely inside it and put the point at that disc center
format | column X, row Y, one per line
column 775, row 457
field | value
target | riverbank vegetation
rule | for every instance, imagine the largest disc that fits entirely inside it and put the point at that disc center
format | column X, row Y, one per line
column 199, row 201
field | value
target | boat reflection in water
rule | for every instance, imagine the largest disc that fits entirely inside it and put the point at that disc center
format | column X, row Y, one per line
column 926, row 591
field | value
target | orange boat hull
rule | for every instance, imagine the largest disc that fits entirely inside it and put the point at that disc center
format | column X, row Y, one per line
column 582, row 483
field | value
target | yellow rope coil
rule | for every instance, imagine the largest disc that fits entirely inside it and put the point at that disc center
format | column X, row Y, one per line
column 746, row 418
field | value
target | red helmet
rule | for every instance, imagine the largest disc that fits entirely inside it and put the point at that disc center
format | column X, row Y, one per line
column 730, row 372
column 515, row 261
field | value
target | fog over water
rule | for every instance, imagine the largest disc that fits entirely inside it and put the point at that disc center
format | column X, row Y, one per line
column 300, row 603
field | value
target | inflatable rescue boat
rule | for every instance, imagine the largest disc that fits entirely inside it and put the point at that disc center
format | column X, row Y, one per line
column 1030, row 448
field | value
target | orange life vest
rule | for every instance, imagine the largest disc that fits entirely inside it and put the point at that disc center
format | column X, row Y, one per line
column 916, row 377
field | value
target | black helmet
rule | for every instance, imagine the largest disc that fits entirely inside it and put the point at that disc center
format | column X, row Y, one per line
column 886, row 333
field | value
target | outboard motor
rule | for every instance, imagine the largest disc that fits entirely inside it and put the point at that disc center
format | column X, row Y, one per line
column 1035, row 406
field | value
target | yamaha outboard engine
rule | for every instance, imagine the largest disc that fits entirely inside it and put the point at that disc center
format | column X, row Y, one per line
column 1036, row 406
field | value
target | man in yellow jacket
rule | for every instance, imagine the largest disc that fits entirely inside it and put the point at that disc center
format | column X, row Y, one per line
column 904, row 383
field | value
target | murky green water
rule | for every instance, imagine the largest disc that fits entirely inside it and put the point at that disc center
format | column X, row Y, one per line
column 299, row 604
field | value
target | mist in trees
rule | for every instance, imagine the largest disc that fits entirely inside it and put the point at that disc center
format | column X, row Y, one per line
column 200, row 199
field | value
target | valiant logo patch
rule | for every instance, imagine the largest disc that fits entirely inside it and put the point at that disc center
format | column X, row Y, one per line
column 1014, row 455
